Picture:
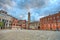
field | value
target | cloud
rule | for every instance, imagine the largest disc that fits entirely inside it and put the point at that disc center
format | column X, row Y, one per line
column 25, row 4
column 37, row 8
column 36, row 16
column 7, row 4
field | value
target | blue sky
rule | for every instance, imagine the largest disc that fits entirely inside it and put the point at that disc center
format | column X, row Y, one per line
column 37, row 8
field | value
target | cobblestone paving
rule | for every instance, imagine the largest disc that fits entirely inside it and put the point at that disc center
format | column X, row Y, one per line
column 29, row 35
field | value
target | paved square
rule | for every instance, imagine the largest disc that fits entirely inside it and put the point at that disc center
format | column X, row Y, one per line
column 29, row 35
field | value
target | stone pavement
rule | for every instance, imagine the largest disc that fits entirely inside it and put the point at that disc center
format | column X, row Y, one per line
column 29, row 35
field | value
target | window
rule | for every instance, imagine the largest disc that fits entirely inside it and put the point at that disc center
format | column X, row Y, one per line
column 9, row 21
column 54, row 20
column 3, row 20
column 57, row 16
column 6, row 20
column 53, row 17
column 45, row 19
column 0, row 19
column 50, row 18
column 58, row 20
column 2, row 11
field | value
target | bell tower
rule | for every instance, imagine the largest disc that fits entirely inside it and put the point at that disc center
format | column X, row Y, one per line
column 28, row 20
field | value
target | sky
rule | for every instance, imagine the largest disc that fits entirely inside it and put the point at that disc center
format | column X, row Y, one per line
column 37, row 8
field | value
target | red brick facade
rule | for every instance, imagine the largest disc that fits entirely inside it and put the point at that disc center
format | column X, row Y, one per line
column 22, row 23
column 18, row 23
column 14, row 23
column 51, row 22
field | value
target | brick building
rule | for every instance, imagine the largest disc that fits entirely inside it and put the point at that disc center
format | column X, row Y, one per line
column 34, row 25
column 22, row 24
column 10, row 21
column 14, row 23
column 51, row 22
column 18, row 24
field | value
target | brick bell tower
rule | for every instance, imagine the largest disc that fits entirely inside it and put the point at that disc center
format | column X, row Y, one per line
column 28, row 20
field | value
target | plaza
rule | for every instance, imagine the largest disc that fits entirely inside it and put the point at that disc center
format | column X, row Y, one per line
column 29, row 35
